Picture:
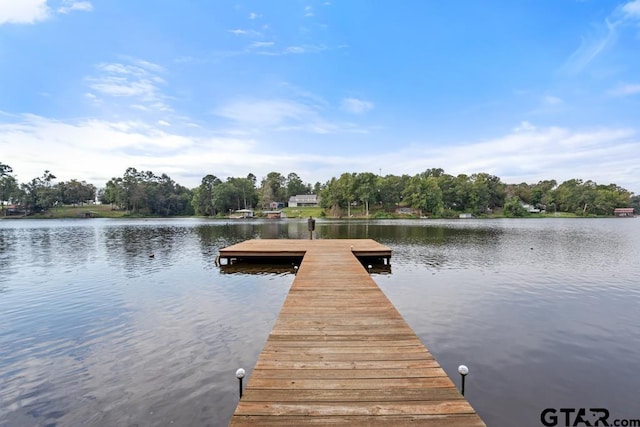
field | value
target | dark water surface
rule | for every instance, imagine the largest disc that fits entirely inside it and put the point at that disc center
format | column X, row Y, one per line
column 94, row 331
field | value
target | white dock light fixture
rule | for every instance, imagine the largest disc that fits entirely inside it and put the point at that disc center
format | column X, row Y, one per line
column 240, row 375
column 463, row 371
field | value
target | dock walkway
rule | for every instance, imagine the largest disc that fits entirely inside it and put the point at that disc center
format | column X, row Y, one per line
column 340, row 353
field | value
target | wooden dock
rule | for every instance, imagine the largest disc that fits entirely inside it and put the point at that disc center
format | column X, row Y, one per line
column 339, row 352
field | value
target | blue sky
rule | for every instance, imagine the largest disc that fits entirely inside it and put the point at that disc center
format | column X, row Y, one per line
column 526, row 90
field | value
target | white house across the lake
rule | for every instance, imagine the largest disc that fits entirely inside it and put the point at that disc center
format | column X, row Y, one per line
column 303, row 200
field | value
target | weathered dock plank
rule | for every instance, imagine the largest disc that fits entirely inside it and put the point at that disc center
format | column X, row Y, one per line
column 339, row 352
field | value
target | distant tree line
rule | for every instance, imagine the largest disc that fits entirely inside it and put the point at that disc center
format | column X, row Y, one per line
column 145, row 193
column 41, row 193
column 432, row 192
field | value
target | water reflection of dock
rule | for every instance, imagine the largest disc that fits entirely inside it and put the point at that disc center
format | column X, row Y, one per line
column 339, row 352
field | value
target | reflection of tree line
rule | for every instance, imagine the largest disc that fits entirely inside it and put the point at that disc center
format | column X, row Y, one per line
column 406, row 232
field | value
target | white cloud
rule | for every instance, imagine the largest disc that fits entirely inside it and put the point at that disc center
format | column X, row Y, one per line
column 260, row 45
column 23, row 11
column 524, row 126
column 308, row 11
column 356, row 106
column 632, row 9
column 32, row 11
column 530, row 154
column 625, row 89
column 243, row 32
column 591, row 47
column 266, row 112
column 104, row 149
column 551, row 100
column 603, row 38
column 71, row 5
column 303, row 114
column 254, row 15
column 295, row 49
column 140, row 81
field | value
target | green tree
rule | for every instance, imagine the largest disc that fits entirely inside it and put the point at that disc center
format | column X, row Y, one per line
column 391, row 189
column 365, row 188
column 5, row 170
column 244, row 192
column 424, row 193
column 514, row 208
column 542, row 193
column 635, row 204
column 331, row 197
column 9, row 190
column 146, row 193
column 272, row 189
column 8, row 185
column 202, row 202
column 39, row 193
column 295, row 186
column 346, row 189
column 75, row 192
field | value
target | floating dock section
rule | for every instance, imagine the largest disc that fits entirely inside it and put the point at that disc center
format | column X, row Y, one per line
column 339, row 352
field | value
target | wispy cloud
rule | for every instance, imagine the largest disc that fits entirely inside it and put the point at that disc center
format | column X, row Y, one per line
column 254, row 15
column 308, row 11
column 262, row 116
column 138, row 80
column 632, row 9
column 274, row 112
column 260, row 45
column 625, row 89
column 71, row 5
column 306, row 48
column 23, row 11
column 603, row 36
column 269, row 49
column 590, row 47
column 245, row 32
column 356, row 106
column 551, row 100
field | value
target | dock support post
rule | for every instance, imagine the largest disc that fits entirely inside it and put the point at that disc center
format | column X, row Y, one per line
column 311, row 225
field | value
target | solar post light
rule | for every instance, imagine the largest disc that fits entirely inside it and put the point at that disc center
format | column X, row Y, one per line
column 240, row 375
column 463, row 371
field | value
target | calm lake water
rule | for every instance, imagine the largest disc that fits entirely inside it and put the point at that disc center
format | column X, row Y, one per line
column 93, row 331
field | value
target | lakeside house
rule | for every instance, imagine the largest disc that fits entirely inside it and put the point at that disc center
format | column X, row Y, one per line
column 308, row 200
column 624, row 212
column 276, row 205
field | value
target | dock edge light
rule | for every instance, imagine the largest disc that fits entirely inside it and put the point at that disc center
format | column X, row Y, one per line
column 463, row 371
